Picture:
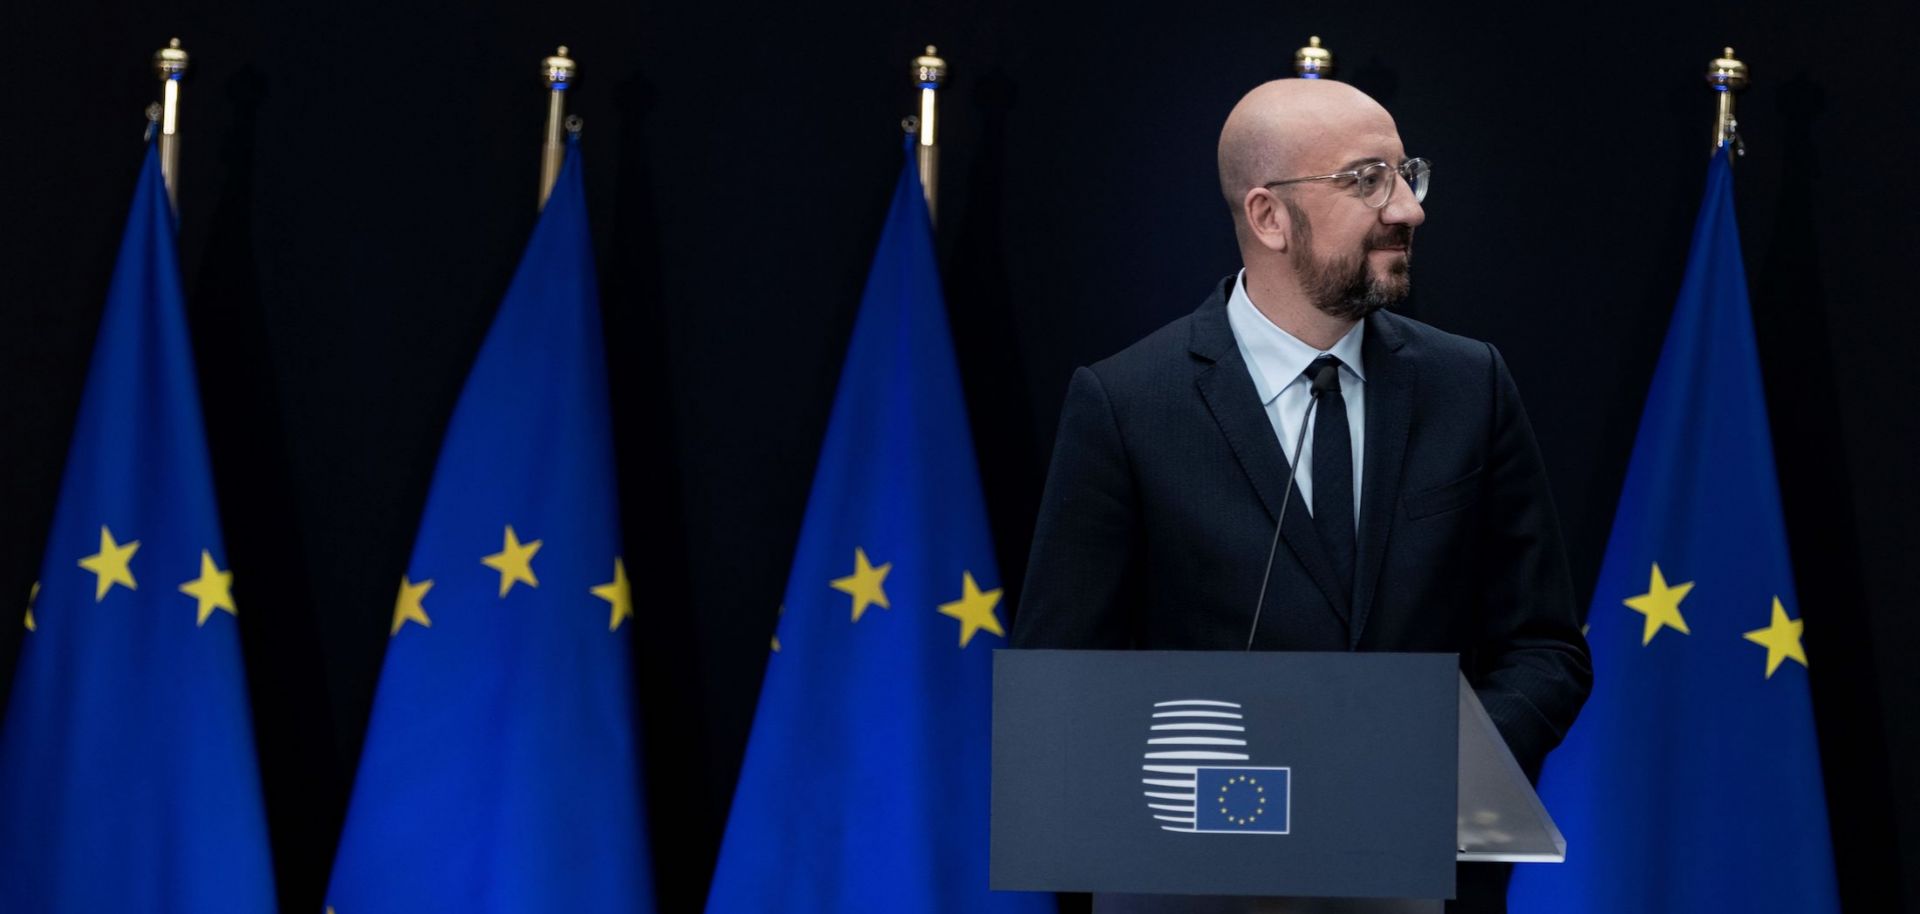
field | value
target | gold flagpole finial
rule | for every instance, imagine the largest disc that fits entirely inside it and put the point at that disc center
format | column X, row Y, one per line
column 1313, row 61
column 1727, row 75
column 170, row 64
column 929, row 72
column 559, row 71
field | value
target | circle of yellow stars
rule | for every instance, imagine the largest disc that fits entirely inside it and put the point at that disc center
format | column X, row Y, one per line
column 514, row 564
column 112, row 566
column 1259, row 808
column 212, row 590
column 1661, row 607
column 865, row 587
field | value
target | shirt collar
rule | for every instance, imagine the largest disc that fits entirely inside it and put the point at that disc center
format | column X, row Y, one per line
column 1278, row 358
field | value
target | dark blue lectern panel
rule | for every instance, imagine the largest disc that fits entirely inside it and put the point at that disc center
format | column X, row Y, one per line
column 1225, row 773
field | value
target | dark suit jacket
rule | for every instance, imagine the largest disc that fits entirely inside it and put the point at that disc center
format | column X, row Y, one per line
column 1167, row 475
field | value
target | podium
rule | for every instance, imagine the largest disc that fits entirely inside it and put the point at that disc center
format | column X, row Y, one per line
column 1207, row 781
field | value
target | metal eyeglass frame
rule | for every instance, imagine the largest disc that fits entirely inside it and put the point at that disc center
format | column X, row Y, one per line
column 1407, row 171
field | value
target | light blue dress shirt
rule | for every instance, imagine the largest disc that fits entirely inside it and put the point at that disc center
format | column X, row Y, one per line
column 1277, row 359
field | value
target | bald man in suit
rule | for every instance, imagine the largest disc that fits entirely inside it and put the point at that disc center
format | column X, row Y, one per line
column 1420, row 517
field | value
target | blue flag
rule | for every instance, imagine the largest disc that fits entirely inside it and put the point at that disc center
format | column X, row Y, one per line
column 127, row 772
column 501, row 770
column 865, row 781
column 1250, row 800
column 1692, row 780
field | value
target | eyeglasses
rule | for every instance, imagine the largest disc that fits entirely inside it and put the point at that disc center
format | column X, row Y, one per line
column 1374, row 183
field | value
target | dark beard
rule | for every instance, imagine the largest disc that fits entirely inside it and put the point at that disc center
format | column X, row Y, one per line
column 1343, row 287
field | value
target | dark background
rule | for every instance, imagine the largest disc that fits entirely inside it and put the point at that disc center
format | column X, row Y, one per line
column 358, row 179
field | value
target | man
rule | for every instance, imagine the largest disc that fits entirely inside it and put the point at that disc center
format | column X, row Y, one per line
column 1420, row 519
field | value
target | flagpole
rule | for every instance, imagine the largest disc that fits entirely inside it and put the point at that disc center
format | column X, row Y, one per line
column 929, row 71
column 170, row 64
column 559, row 71
column 1313, row 61
column 1727, row 75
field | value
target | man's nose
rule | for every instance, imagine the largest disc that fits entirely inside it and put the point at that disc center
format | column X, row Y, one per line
column 1402, row 208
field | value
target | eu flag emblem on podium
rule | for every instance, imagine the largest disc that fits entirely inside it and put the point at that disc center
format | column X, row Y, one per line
column 1255, row 801
column 501, row 770
column 127, row 772
column 1691, row 782
column 865, row 781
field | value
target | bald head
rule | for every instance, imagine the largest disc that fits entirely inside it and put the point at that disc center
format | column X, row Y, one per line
column 1290, row 128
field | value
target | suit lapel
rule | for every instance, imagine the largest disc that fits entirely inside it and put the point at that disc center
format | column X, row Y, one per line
column 1390, row 381
column 1228, row 390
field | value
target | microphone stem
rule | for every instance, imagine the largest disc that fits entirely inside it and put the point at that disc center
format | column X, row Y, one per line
column 1293, row 469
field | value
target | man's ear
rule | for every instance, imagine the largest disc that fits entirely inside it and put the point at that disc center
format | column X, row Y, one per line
column 1266, row 218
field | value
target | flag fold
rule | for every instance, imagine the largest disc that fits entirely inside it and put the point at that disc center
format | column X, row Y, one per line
column 865, row 781
column 501, row 767
column 1692, row 780
column 128, row 780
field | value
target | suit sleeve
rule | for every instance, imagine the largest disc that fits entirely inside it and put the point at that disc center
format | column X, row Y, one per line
column 1530, row 668
column 1079, row 589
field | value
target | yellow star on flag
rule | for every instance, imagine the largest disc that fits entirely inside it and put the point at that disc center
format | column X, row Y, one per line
column 1661, row 605
column 408, row 607
column 110, row 565
column 864, row 584
column 1781, row 639
column 514, row 561
column 32, row 595
column 213, row 588
column 974, row 609
column 618, row 593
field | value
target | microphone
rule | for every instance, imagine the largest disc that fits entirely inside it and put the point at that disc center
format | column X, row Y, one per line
column 1293, row 469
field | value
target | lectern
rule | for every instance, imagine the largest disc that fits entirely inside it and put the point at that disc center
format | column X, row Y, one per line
column 1203, row 781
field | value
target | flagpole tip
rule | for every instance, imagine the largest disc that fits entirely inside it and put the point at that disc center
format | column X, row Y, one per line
column 929, row 72
column 1726, row 75
column 1313, row 61
column 1726, row 72
column 559, row 69
column 170, row 61
column 930, row 69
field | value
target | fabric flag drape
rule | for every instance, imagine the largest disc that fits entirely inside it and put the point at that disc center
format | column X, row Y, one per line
column 865, row 781
column 1692, row 780
column 501, row 767
column 128, row 780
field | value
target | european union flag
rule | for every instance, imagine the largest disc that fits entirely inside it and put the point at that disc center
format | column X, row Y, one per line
column 1248, row 800
column 127, row 773
column 865, row 781
column 1692, row 780
column 501, row 769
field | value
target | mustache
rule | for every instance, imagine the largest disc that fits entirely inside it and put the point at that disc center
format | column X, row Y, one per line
column 1393, row 236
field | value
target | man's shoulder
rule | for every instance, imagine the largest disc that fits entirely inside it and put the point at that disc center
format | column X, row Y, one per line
column 1152, row 356
column 1172, row 348
column 1454, row 372
column 1434, row 347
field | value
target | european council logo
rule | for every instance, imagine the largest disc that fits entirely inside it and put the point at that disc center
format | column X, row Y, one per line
column 1188, row 795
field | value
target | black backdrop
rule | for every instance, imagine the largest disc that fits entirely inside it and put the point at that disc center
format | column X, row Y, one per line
column 359, row 177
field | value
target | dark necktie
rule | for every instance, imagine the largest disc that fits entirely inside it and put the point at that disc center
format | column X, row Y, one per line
column 1332, row 469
